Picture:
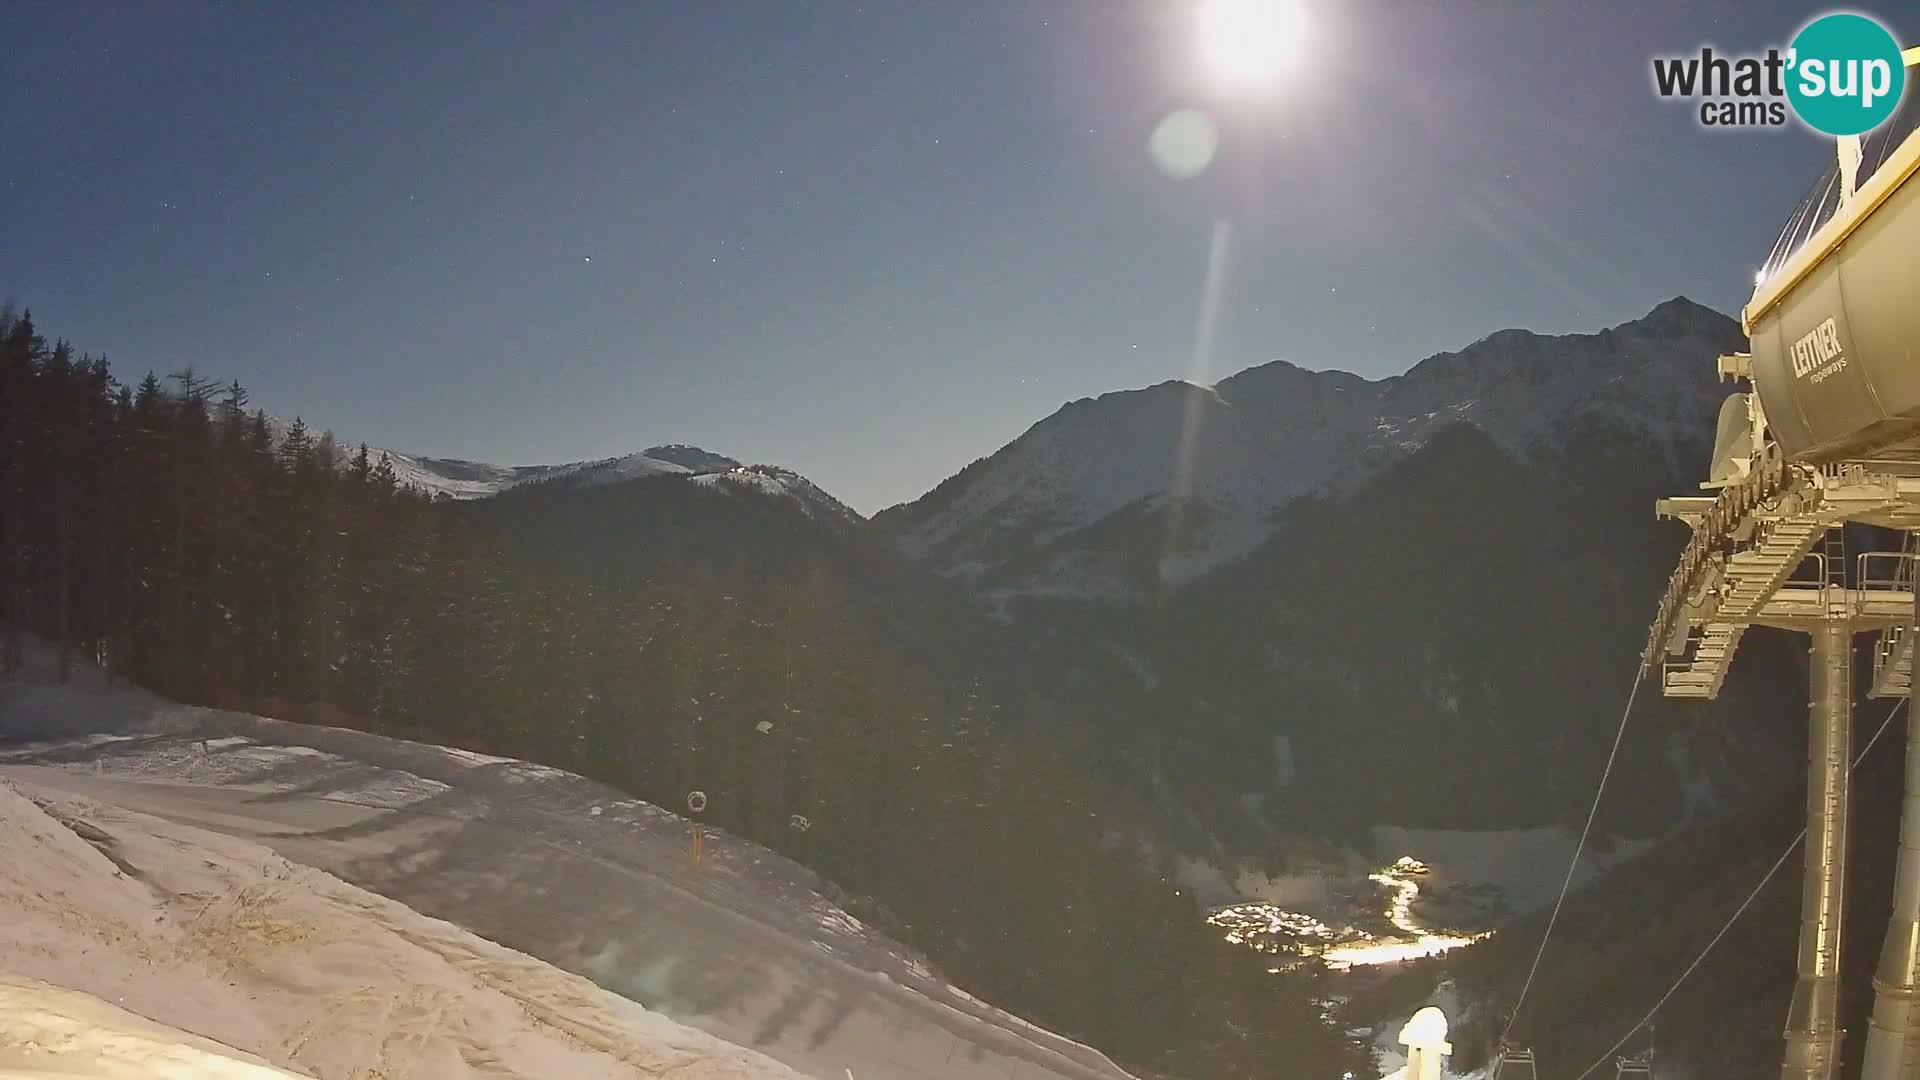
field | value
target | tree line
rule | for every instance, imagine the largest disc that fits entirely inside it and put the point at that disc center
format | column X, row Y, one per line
column 188, row 542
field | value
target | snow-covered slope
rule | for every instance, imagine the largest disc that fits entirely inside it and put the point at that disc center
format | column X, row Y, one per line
column 743, row 947
column 225, row 939
column 455, row 478
column 47, row 1032
column 475, row 480
column 1199, row 471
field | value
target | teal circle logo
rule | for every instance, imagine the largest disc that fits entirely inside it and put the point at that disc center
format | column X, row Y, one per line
column 1844, row 74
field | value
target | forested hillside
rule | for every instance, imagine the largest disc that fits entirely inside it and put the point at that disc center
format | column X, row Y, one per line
column 1448, row 646
column 164, row 529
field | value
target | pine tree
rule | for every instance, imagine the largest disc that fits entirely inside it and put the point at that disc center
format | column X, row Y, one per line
column 20, row 353
column 385, row 482
column 167, row 528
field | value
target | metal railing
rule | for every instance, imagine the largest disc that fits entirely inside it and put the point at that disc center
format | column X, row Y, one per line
column 1513, row 1063
column 1768, row 480
column 1898, row 579
column 1894, row 639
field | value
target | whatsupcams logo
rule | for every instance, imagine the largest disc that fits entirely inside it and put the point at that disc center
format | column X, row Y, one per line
column 1842, row 75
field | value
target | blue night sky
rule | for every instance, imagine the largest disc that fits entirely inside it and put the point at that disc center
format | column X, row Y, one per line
column 870, row 241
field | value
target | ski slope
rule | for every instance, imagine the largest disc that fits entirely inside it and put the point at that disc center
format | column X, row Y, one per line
column 48, row 1032
column 226, row 939
column 743, row 948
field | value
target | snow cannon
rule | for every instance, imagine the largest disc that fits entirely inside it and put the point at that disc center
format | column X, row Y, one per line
column 1835, row 315
column 1425, row 1037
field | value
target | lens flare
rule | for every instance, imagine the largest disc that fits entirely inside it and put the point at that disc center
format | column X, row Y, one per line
column 1183, row 144
column 1250, row 44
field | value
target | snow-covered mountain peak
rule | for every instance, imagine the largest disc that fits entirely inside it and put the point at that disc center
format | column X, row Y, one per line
column 1060, row 508
column 458, row 478
column 775, row 482
column 692, row 458
column 473, row 480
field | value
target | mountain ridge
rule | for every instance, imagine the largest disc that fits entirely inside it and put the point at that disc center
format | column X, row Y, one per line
column 1217, row 462
column 463, row 479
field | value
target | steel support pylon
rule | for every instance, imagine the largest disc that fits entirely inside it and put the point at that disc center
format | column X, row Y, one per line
column 1896, row 983
column 1813, row 1030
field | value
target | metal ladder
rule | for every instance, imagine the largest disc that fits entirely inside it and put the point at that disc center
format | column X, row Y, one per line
column 1834, row 547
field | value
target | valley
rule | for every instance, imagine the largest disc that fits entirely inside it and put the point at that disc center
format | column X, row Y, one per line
column 969, row 668
column 1388, row 932
column 987, row 540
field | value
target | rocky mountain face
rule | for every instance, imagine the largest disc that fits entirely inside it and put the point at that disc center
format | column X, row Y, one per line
column 1117, row 497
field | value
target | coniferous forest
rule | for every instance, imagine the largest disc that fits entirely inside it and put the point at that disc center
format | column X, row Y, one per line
column 173, row 532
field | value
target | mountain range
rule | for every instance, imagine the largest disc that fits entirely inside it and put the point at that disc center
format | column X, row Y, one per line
column 1224, row 586
column 1205, row 471
column 1241, row 625
column 456, row 479
column 1211, row 466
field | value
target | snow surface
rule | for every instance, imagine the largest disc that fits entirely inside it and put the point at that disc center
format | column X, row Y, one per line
column 744, row 948
column 47, row 1032
column 477, row 480
column 455, row 478
column 474, row 480
column 777, row 483
column 225, row 939
column 1236, row 452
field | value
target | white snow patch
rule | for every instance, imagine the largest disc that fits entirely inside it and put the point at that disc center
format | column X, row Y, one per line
column 87, row 742
column 472, row 758
column 47, row 1032
column 510, row 853
column 839, row 921
column 224, row 939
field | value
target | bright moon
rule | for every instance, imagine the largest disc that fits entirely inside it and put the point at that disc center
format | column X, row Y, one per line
column 1251, row 43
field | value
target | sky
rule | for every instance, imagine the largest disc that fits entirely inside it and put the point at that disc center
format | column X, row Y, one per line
column 871, row 241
